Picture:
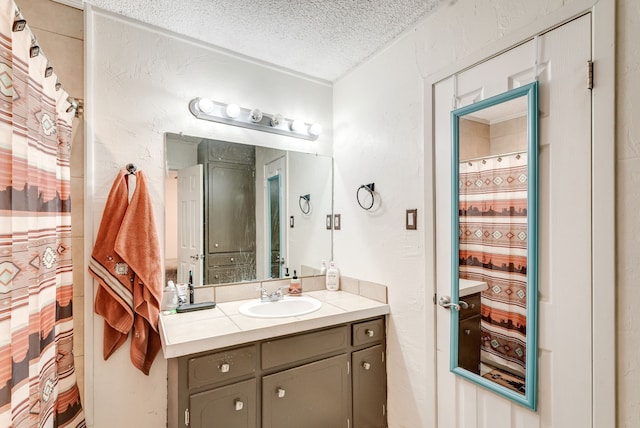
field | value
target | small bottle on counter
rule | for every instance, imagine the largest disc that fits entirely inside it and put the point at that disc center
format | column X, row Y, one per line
column 333, row 277
column 191, row 289
column 169, row 299
column 295, row 286
column 323, row 268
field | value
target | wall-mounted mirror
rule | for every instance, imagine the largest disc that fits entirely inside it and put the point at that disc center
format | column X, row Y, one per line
column 494, row 234
column 232, row 211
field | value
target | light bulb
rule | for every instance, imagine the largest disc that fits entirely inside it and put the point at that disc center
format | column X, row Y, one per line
column 233, row 110
column 297, row 126
column 255, row 115
column 315, row 129
column 205, row 105
column 276, row 120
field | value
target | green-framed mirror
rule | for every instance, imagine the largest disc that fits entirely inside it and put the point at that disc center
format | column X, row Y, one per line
column 495, row 243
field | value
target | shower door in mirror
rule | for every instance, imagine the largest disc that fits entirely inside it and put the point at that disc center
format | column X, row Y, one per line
column 497, row 356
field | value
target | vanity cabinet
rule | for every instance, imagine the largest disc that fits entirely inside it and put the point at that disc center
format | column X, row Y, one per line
column 331, row 377
column 469, row 334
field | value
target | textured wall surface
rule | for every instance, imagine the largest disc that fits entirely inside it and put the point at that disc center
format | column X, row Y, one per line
column 378, row 122
column 379, row 137
column 627, row 206
column 141, row 82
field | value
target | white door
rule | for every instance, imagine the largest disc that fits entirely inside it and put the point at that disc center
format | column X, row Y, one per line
column 275, row 226
column 565, row 236
column 190, row 224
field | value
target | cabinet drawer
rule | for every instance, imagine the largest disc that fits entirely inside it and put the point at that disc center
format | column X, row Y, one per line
column 368, row 332
column 232, row 406
column 221, row 366
column 474, row 306
column 230, row 259
column 289, row 349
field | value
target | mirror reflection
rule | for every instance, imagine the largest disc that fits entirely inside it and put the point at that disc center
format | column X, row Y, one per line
column 493, row 144
column 232, row 211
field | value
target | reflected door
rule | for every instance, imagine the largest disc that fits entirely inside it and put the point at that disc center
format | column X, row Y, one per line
column 564, row 334
column 275, row 174
column 190, row 212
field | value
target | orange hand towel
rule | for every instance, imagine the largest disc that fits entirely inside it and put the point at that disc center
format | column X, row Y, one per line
column 138, row 245
column 126, row 263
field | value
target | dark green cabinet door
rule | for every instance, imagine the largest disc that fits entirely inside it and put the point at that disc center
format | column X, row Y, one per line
column 232, row 406
column 314, row 395
column 369, row 388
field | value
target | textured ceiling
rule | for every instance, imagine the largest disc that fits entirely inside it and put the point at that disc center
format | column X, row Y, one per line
column 320, row 38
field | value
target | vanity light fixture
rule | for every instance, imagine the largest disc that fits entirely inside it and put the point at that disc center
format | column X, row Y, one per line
column 297, row 126
column 232, row 110
column 232, row 114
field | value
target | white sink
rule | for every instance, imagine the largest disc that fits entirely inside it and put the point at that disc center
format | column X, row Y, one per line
column 289, row 306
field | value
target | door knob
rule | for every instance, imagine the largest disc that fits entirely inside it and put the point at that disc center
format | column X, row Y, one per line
column 366, row 365
column 445, row 302
column 280, row 392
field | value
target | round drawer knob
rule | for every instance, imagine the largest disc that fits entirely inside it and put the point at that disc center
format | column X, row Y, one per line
column 238, row 404
column 369, row 333
column 366, row 365
column 280, row 392
column 224, row 368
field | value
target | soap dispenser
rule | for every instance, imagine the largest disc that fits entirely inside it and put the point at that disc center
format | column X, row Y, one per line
column 333, row 277
column 295, row 286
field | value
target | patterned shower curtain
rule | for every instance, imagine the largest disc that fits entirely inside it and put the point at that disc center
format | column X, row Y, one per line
column 37, row 378
column 493, row 249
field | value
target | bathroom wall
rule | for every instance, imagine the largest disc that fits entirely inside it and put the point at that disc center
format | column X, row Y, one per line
column 60, row 33
column 140, row 82
column 379, row 137
column 627, row 207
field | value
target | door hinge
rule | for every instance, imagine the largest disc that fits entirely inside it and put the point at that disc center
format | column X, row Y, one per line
column 590, row 75
column 435, row 298
column 382, row 357
column 348, row 423
column 186, row 416
column 384, row 410
column 348, row 367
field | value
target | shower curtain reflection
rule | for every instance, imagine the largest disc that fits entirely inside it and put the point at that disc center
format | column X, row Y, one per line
column 493, row 249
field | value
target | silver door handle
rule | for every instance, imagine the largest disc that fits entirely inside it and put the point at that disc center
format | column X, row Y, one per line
column 445, row 302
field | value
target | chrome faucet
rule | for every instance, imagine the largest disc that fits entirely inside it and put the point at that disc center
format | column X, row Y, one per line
column 273, row 296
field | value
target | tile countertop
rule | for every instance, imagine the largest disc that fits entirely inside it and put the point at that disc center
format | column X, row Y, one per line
column 468, row 287
column 198, row 331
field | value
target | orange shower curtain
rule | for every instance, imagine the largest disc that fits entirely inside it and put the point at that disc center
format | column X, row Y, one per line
column 37, row 378
column 493, row 249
